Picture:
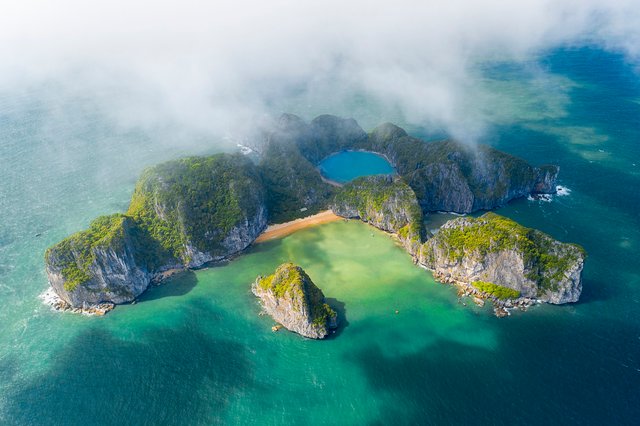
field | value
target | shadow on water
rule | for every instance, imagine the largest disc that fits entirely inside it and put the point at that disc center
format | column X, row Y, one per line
column 175, row 286
column 452, row 383
column 341, row 310
column 166, row 376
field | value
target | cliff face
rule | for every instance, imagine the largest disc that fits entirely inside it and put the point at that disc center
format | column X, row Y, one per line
column 183, row 214
column 99, row 264
column 385, row 202
column 201, row 209
column 495, row 252
column 451, row 176
column 293, row 300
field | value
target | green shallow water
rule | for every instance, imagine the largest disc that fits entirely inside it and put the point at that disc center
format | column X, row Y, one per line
column 196, row 347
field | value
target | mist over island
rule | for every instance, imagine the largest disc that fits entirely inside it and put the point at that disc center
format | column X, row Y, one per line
column 311, row 213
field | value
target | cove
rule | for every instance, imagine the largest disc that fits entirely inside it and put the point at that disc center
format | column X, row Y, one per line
column 345, row 166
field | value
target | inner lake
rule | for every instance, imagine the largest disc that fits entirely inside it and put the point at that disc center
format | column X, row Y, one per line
column 345, row 166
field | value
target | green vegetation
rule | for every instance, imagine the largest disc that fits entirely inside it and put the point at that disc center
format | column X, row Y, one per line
column 486, row 234
column 496, row 290
column 551, row 260
column 292, row 183
column 288, row 279
column 196, row 200
column 75, row 254
column 380, row 199
column 546, row 259
column 322, row 314
column 292, row 281
column 492, row 176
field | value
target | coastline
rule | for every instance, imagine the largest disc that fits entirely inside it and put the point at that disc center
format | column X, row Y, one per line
column 51, row 299
column 283, row 229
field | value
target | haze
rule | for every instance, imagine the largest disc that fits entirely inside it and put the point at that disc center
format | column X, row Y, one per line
column 213, row 67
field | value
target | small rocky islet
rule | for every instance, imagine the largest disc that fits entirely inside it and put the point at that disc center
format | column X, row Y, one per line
column 192, row 211
column 293, row 300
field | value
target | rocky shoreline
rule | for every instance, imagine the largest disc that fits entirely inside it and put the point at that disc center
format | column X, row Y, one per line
column 501, row 307
column 51, row 298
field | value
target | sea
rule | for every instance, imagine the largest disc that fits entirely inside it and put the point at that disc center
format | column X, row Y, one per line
column 195, row 350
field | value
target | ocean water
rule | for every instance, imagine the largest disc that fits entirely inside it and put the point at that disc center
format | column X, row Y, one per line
column 348, row 165
column 195, row 350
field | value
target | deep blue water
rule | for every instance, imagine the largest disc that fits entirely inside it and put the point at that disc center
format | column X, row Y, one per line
column 345, row 166
column 194, row 351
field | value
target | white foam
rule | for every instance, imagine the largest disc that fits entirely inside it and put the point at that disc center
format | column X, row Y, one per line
column 562, row 191
column 49, row 297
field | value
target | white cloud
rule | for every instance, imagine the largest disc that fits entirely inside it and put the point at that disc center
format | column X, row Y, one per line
column 210, row 65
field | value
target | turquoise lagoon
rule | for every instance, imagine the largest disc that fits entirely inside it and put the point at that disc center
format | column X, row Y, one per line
column 345, row 166
column 195, row 351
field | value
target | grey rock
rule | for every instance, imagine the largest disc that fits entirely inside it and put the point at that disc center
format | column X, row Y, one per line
column 292, row 299
column 510, row 255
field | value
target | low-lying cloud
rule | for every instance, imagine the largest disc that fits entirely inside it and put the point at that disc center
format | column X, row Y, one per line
column 211, row 67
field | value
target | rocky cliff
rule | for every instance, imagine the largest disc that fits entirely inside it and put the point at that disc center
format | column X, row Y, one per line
column 183, row 213
column 385, row 202
column 452, row 176
column 495, row 254
column 99, row 264
column 293, row 300
column 201, row 209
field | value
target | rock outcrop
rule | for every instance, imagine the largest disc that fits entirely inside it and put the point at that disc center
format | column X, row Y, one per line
column 201, row 209
column 456, row 177
column 99, row 264
column 293, row 300
column 183, row 213
column 501, row 258
column 385, row 202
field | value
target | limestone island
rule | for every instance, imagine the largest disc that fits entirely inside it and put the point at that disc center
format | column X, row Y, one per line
column 292, row 299
column 193, row 211
column 495, row 258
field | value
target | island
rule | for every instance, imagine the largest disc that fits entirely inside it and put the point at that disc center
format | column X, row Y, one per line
column 193, row 211
column 293, row 300
column 493, row 257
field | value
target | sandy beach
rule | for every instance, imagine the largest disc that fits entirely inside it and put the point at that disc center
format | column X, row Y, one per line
column 283, row 229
